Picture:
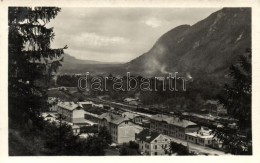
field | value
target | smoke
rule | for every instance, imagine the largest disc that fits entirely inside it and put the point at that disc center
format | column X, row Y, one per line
column 153, row 64
column 188, row 76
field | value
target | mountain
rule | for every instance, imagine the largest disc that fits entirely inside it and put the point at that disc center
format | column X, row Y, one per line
column 73, row 65
column 68, row 59
column 206, row 48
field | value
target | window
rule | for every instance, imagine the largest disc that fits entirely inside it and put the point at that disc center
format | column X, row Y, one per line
column 155, row 141
column 166, row 139
column 155, row 147
column 155, row 153
column 165, row 146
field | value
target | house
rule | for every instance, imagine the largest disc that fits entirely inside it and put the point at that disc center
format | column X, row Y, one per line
column 146, row 123
column 172, row 126
column 135, row 118
column 70, row 111
column 132, row 101
column 215, row 108
column 217, row 143
column 129, row 99
column 86, row 105
column 75, row 129
column 202, row 137
column 49, row 117
column 52, row 101
column 152, row 143
column 81, row 122
column 92, row 117
column 121, row 129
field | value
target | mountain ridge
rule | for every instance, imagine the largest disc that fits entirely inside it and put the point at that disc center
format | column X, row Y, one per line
column 209, row 46
column 204, row 49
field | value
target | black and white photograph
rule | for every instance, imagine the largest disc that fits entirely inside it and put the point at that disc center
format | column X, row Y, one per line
column 129, row 81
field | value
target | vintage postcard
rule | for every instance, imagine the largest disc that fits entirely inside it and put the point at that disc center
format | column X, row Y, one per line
column 130, row 78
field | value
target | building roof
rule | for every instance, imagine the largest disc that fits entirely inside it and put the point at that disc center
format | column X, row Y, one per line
column 113, row 118
column 173, row 120
column 79, row 121
column 202, row 133
column 75, row 127
column 49, row 115
column 147, row 136
column 86, row 102
column 129, row 99
column 129, row 115
column 69, row 105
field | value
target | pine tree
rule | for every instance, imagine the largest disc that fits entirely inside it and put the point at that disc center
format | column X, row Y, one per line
column 30, row 67
column 236, row 98
column 31, row 61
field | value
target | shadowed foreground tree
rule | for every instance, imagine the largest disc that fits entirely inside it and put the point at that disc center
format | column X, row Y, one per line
column 96, row 144
column 31, row 61
column 30, row 67
column 236, row 98
column 179, row 149
column 129, row 149
column 61, row 140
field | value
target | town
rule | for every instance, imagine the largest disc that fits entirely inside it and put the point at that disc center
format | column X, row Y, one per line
column 152, row 132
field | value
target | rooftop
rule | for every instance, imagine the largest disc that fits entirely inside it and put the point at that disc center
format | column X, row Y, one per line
column 202, row 133
column 69, row 105
column 173, row 120
column 147, row 136
column 113, row 118
column 129, row 115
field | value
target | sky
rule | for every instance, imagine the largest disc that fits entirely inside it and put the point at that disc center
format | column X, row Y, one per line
column 117, row 34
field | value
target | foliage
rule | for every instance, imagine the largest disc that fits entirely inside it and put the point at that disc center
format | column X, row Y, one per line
column 31, row 64
column 60, row 140
column 129, row 149
column 89, row 129
column 236, row 97
column 97, row 144
column 31, row 60
column 179, row 149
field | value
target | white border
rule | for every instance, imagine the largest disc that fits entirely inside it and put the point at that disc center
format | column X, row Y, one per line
column 255, row 4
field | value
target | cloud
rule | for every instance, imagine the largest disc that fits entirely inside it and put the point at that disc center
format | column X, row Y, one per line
column 153, row 22
column 93, row 39
column 117, row 34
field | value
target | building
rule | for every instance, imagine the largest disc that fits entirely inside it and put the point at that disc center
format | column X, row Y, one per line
column 75, row 129
column 132, row 101
column 52, row 101
column 121, row 129
column 86, row 105
column 202, row 137
column 135, row 118
column 215, row 108
column 172, row 126
column 92, row 117
column 50, row 117
column 152, row 143
column 70, row 111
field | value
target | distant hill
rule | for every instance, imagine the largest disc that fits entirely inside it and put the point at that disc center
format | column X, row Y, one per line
column 71, row 64
column 207, row 48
